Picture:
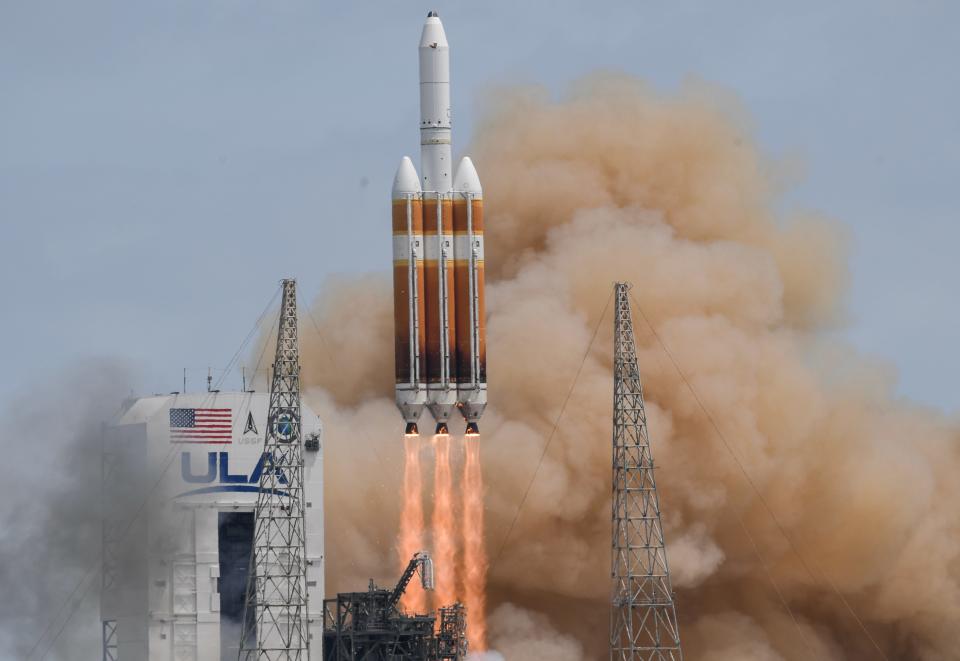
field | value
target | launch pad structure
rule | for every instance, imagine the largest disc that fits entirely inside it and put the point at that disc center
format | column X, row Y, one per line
column 370, row 626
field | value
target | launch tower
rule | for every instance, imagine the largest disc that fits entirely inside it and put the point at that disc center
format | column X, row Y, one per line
column 643, row 622
column 275, row 623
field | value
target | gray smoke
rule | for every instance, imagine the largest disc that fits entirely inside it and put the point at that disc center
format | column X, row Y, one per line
column 50, row 503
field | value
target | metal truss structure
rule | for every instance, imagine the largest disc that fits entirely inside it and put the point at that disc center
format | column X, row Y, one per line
column 452, row 633
column 643, row 622
column 109, row 640
column 369, row 626
column 275, row 611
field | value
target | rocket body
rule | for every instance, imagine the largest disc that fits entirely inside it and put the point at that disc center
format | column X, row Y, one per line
column 441, row 306
column 471, row 333
column 408, row 295
column 451, row 338
column 437, row 181
column 435, row 144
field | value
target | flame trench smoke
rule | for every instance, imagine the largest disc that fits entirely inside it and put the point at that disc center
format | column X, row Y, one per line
column 615, row 182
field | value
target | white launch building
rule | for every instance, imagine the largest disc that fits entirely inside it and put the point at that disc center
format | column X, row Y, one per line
column 181, row 479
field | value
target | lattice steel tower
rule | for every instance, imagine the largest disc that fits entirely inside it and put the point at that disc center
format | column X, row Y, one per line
column 643, row 621
column 275, row 611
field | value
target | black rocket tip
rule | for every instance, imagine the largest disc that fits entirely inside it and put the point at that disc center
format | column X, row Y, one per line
column 411, row 429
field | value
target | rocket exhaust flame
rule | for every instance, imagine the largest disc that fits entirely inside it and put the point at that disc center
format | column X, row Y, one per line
column 444, row 523
column 411, row 521
column 474, row 552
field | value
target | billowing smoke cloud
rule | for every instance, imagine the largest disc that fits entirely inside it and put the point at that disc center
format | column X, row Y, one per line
column 69, row 473
column 50, row 505
column 614, row 182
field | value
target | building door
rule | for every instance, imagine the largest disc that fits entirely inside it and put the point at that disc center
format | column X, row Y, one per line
column 236, row 546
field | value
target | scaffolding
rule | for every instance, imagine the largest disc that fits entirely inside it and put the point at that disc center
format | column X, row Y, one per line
column 370, row 626
column 643, row 622
column 275, row 610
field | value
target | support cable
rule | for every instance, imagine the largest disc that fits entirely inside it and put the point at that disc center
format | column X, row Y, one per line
column 756, row 489
column 246, row 340
column 329, row 356
column 553, row 432
column 761, row 559
column 776, row 587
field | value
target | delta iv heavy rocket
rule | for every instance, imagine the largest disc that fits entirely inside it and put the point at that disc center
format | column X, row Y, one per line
column 438, row 262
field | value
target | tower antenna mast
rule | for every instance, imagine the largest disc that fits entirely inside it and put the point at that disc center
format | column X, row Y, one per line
column 643, row 620
column 275, row 610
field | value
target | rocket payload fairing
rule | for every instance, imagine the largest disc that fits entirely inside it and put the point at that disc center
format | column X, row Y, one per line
column 438, row 282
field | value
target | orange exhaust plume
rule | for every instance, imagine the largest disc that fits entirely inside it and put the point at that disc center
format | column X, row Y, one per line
column 444, row 542
column 474, row 551
column 411, row 523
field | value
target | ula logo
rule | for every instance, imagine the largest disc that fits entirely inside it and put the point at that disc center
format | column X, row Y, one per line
column 218, row 471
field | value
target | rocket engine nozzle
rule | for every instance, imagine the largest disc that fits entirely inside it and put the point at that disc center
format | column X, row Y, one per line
column 442, row 429
column 473, row 429
column 411, row 429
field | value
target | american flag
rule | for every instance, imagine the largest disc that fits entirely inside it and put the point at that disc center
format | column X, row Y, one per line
column 200, row 426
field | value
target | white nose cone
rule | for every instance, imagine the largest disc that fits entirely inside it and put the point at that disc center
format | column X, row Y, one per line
column 434, row 77
column 467, row 180
column 406, row 181
column 433, row 35
column 435, row 123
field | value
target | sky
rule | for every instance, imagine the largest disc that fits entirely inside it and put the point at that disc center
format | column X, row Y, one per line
column 164, row 164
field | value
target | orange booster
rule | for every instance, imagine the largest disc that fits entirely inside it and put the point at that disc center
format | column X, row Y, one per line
column 471, row 336
column 408, row 295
